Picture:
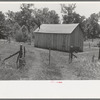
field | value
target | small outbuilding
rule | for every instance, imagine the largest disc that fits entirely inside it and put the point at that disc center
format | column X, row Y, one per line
column 59, row 37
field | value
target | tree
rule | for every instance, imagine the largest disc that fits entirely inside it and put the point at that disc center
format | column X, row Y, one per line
column 21, row 33
column 10, row 22
column 70, row 16
column 30, row 17
column 92, row 26
column 3, row 27
column 10, row 16
column 16, row 30
column 53, row 17
column 24, row 17
column 24, row 31
column 45, row 16
column 68, row 12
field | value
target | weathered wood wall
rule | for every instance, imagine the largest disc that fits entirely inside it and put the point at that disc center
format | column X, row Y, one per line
column 61, row 42
column 77, row 38
column 54, row 41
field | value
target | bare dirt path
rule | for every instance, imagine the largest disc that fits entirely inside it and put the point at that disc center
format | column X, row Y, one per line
column 40, row 69
column 59, row 68
column 64, row 66
column 35, row 73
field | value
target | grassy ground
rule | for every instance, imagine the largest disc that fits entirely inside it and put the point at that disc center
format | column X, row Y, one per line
column 37, row 63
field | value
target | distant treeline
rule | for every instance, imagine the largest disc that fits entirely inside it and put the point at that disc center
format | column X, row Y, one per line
column 21, row 25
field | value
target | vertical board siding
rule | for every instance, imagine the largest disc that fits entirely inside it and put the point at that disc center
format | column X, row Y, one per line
column 60, row 42
column 77, row 38
column 67, row 42
column 80, row 39
column 54, row 41
column 35, row 37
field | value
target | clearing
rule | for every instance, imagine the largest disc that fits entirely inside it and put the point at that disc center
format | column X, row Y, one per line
column 37, row 63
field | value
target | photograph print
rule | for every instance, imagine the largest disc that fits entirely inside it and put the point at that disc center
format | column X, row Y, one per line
column 50, row 41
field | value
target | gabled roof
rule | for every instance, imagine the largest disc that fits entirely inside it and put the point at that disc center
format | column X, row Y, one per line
column 56, row 28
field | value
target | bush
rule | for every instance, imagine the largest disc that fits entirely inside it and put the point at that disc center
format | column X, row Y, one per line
column 18, row 36
column 22, row 35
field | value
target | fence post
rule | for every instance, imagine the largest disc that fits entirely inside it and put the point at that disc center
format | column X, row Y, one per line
column 99, row 54
column 21, row 51
column 20, row 57
column 93, row 58
column 24, row 51
column 89, row 45
column 69, row 57
column 99, row 51
column 49, row 55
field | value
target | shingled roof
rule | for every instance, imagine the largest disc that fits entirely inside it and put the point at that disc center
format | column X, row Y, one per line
column 56, row 28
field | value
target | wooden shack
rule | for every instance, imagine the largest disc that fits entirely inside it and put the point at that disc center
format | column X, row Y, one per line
column 59, row 37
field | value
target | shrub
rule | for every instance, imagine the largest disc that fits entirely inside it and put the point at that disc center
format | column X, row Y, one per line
column 22, row 34
column 18, row 36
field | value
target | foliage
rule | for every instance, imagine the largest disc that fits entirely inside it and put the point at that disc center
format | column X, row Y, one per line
column 24, row 31
column 45, row 16
column 53, row 17
column 24, row 17
column 92, row 27
column 69, row 14
column 22, row 34
column 18, row 37
column 2, row 25
column 89, row 26
column 31, row 18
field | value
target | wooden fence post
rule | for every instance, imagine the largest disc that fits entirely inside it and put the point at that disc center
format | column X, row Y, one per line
column 24, row 51
column 21, row 51
column 89, row 45
column 99, row 51
column 49, row 55
column 93, row 58
column 99, row 54
column 20, row 57
column 69, row 58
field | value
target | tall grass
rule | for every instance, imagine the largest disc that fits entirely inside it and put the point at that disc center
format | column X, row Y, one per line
column 84, row 68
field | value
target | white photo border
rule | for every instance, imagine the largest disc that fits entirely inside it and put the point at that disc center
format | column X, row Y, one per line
column 71, row 89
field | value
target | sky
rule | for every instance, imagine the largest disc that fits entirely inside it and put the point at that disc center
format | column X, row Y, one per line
column 83, row 8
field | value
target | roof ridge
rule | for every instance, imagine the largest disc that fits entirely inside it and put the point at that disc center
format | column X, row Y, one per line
column 60, row 24
column 57, row 28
